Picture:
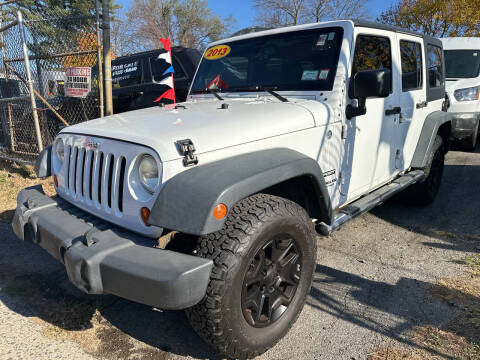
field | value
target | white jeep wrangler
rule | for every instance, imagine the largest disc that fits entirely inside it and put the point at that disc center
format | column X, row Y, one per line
column 285, row 132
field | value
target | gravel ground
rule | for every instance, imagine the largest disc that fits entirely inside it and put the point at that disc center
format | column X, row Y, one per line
column 370, row 289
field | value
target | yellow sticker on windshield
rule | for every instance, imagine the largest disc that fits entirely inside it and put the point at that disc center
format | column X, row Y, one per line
column 217, row 52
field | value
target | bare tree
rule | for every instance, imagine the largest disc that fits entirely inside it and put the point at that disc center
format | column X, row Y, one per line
column 188, row 23
column 275, row 13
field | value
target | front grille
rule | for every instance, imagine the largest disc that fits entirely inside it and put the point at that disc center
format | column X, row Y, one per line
column 95, row 177
column 99, row 176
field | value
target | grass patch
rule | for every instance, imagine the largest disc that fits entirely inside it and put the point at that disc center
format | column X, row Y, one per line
column 460, row 338
column 13, row 178
column 472, row 262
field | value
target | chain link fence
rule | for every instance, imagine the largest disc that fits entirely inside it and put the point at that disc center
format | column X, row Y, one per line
column 63, row 64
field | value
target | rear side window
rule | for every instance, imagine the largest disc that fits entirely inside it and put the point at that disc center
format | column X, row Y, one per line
column 179, row 73
column 372, row 53
column 435, row 66
column 126, row 73
column 411, row 54
column 159, row 66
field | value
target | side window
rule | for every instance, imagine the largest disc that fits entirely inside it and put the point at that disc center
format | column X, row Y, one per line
column 435, row 66
column 126, row 73
column 179, row 73
column 372, row 53
column 159, row 66
column 411, row 54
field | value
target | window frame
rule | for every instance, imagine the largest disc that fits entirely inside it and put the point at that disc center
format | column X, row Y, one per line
column 442, row 64
column 422, row 65
column 434, row 93
column 350, row 92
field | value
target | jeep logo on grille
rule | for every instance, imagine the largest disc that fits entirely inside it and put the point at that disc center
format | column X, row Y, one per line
column 91, row 144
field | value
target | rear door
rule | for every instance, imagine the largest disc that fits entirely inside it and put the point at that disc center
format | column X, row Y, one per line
column 413, row 96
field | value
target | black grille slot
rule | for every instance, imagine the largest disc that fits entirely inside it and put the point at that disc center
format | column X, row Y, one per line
column 90, row 180
column 75, row 159
column 100, row 173
column 123, row 165
column 110, row 179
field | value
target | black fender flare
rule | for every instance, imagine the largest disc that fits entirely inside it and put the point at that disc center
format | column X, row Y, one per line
column 431, row 125
column 43, row 165
column 187, row 200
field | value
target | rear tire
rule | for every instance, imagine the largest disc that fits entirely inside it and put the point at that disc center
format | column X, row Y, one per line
column 424, row 192
column 264, row 259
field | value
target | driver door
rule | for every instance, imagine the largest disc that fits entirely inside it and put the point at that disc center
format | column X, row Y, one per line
column 371, row 140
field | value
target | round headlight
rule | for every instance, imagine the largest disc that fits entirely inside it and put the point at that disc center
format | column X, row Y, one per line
column 148, row 173
column 60, row 149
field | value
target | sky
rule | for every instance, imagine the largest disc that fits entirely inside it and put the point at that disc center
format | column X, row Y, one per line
column 244, row 13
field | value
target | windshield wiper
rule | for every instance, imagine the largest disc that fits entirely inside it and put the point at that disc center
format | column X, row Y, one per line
column 211, row 91
column 215, row 92
column 270, row 90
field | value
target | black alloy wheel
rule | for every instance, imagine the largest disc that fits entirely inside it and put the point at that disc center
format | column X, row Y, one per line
column 271, row 281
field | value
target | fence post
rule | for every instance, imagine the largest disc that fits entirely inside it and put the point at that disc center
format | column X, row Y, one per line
column 29, row 81
column 99, row 60
column 107, row 57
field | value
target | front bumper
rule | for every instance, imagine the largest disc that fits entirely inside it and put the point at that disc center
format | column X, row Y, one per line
column 102, row 259
column 464, row 124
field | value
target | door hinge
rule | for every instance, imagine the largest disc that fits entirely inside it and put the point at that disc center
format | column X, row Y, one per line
column 344, row 132
column 187, row 149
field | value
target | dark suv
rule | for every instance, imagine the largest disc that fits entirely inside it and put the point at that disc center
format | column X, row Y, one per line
column 136, row 77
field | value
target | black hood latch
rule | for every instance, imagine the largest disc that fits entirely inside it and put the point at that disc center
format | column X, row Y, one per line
column 187, row 149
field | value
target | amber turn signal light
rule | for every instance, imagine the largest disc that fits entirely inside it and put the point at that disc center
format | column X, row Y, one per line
column 55, row 180
column 145, row 213
column 219, row 211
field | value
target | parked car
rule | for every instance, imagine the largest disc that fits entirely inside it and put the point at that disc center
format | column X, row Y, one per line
column 136, row 77
column 462, row 67
column 283, row 130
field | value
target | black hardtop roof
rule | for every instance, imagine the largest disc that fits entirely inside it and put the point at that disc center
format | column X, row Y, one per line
column 151, row 52
column 376, row 25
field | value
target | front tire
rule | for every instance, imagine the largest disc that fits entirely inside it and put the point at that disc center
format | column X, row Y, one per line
column 264, row 259
column 424, row 192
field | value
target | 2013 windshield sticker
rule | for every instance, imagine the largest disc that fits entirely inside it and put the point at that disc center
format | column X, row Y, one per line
column 217, row 52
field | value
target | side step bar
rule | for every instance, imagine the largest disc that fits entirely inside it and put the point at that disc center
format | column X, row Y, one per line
column 370, row 201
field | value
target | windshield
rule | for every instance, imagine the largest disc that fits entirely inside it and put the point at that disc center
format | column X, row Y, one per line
column 462, row 63
column 300, row 60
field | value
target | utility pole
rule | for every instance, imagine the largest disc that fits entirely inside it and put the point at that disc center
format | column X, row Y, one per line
column 107, row 57
column 99, row 60
column 29, row 81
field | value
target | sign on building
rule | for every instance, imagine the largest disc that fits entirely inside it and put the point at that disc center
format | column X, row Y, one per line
column 79, row 81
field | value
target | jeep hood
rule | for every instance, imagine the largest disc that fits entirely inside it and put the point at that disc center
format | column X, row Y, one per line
column 208, row 125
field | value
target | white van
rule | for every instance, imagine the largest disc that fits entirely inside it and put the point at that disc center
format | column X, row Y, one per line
column 462, row 68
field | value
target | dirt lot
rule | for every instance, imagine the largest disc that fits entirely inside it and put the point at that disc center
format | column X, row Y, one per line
column 397, row 283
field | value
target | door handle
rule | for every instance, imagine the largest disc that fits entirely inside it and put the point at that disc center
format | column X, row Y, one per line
column 422, row 104
column 396, row 110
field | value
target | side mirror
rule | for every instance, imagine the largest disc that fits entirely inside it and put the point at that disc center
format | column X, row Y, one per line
column 367, row 84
